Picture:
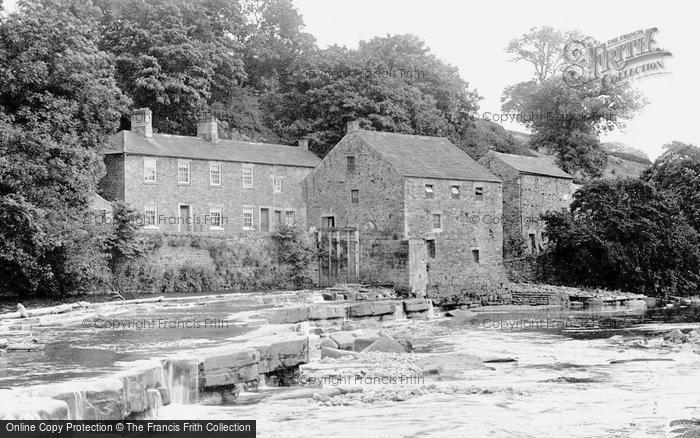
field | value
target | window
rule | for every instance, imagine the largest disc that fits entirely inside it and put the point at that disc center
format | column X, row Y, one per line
column 277, row 184
column 455, row 192
column 215, row 219
column 150, row 216
column 278, row 217
column 183, row 172
column 355, row 196
column 429, row 191
column 479, row 193
column 149, row 170
column 248, row 218
column 247, row 175
column 351, row 164
column 215, row 174
column 431, row 248
column 437, row 221
column 328, row 221
column 475, row 255
column 290, row 218
column 533, row 243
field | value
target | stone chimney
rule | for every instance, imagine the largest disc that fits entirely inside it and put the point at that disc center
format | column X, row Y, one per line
column 303, row 144
column 141, row 122
column 352, row 126
column 207, row 129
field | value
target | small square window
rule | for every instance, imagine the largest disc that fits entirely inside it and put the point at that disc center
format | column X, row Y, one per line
column 475, row 255
column 149, row 170
column 247, row 218
column 429, row 191
column 351, row 164
column 431, row 248
column 215, row 174
column 355, row 196
column 479, row 193
column 183, row 172
column 247, row 175
column 437, row 221
column 277, row 184
column 455, row 192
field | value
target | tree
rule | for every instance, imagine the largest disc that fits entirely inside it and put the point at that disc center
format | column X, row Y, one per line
column 543, row 48
column 390, row 84
column 173, row 56
column 58, row 104
column 624, row 234
column 568, row 121
column 677, row 171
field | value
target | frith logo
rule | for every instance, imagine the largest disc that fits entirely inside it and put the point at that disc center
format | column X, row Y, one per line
column 630, row 56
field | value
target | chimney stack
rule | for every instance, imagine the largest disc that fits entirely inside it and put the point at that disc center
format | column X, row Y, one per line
column 352, row 126
column 303, row 144
column 141, row 122
column 207, row 129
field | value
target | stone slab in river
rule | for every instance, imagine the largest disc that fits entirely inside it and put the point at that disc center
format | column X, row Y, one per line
column 222, row 368
column 371, row 308
column 34, row 408
column 284, row 354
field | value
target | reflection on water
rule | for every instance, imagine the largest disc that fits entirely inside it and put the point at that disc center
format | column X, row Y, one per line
column 560, row 386
column 85, row 350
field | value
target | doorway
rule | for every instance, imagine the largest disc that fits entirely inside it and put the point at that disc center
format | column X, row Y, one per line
column 184, row 223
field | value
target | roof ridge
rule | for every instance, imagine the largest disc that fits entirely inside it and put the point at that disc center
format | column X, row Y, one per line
column 429, row 137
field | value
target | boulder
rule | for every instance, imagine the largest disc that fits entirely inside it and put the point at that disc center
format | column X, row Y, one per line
column 320, row 312
column 219, row 368
column 675, row 336
column 281, row 355
column 329, row 343
column 385, row 345
column 361, row 343
column 345, row 340
column 371, row 308
column 416, row 305
column 336, row 354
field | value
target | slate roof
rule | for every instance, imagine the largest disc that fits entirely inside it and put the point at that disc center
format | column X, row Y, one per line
column 426, row 157
column 531, row 165
column 178, row 146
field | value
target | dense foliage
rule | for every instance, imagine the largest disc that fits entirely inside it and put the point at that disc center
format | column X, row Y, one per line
column 625, row 235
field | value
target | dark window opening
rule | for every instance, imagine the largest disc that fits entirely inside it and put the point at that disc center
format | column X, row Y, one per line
column 479, row 193
column 431, row 248
column 429, row 191
column 533, row 243
column 328, row 222
column 455, row 192
column 355, row 196
column 475, row 255
column 351, row 164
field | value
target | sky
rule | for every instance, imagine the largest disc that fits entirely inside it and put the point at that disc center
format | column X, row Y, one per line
column 472, row 37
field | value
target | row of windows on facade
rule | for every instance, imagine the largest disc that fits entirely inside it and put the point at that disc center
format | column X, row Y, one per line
column 429, row 189
column 150, row 174
column 429, row 193
column 268, row 218
column 432, row 251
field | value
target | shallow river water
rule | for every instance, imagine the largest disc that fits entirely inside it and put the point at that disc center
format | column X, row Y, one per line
column 559, row 386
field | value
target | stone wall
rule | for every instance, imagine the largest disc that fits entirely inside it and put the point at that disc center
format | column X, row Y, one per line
column 384, row 262
column 327, row 191
column 468, row 245
column 541, row 194
column 230, row 196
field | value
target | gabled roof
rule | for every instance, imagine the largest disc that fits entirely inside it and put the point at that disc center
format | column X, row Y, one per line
column 426, row 157
column 531, row 165
column 178, row 146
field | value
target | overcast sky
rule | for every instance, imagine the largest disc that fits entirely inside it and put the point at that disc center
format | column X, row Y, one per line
column 472, row 36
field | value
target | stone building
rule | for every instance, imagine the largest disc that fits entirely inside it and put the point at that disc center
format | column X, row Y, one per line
column 413, row 201
column 531, row 186
column 203, row 183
